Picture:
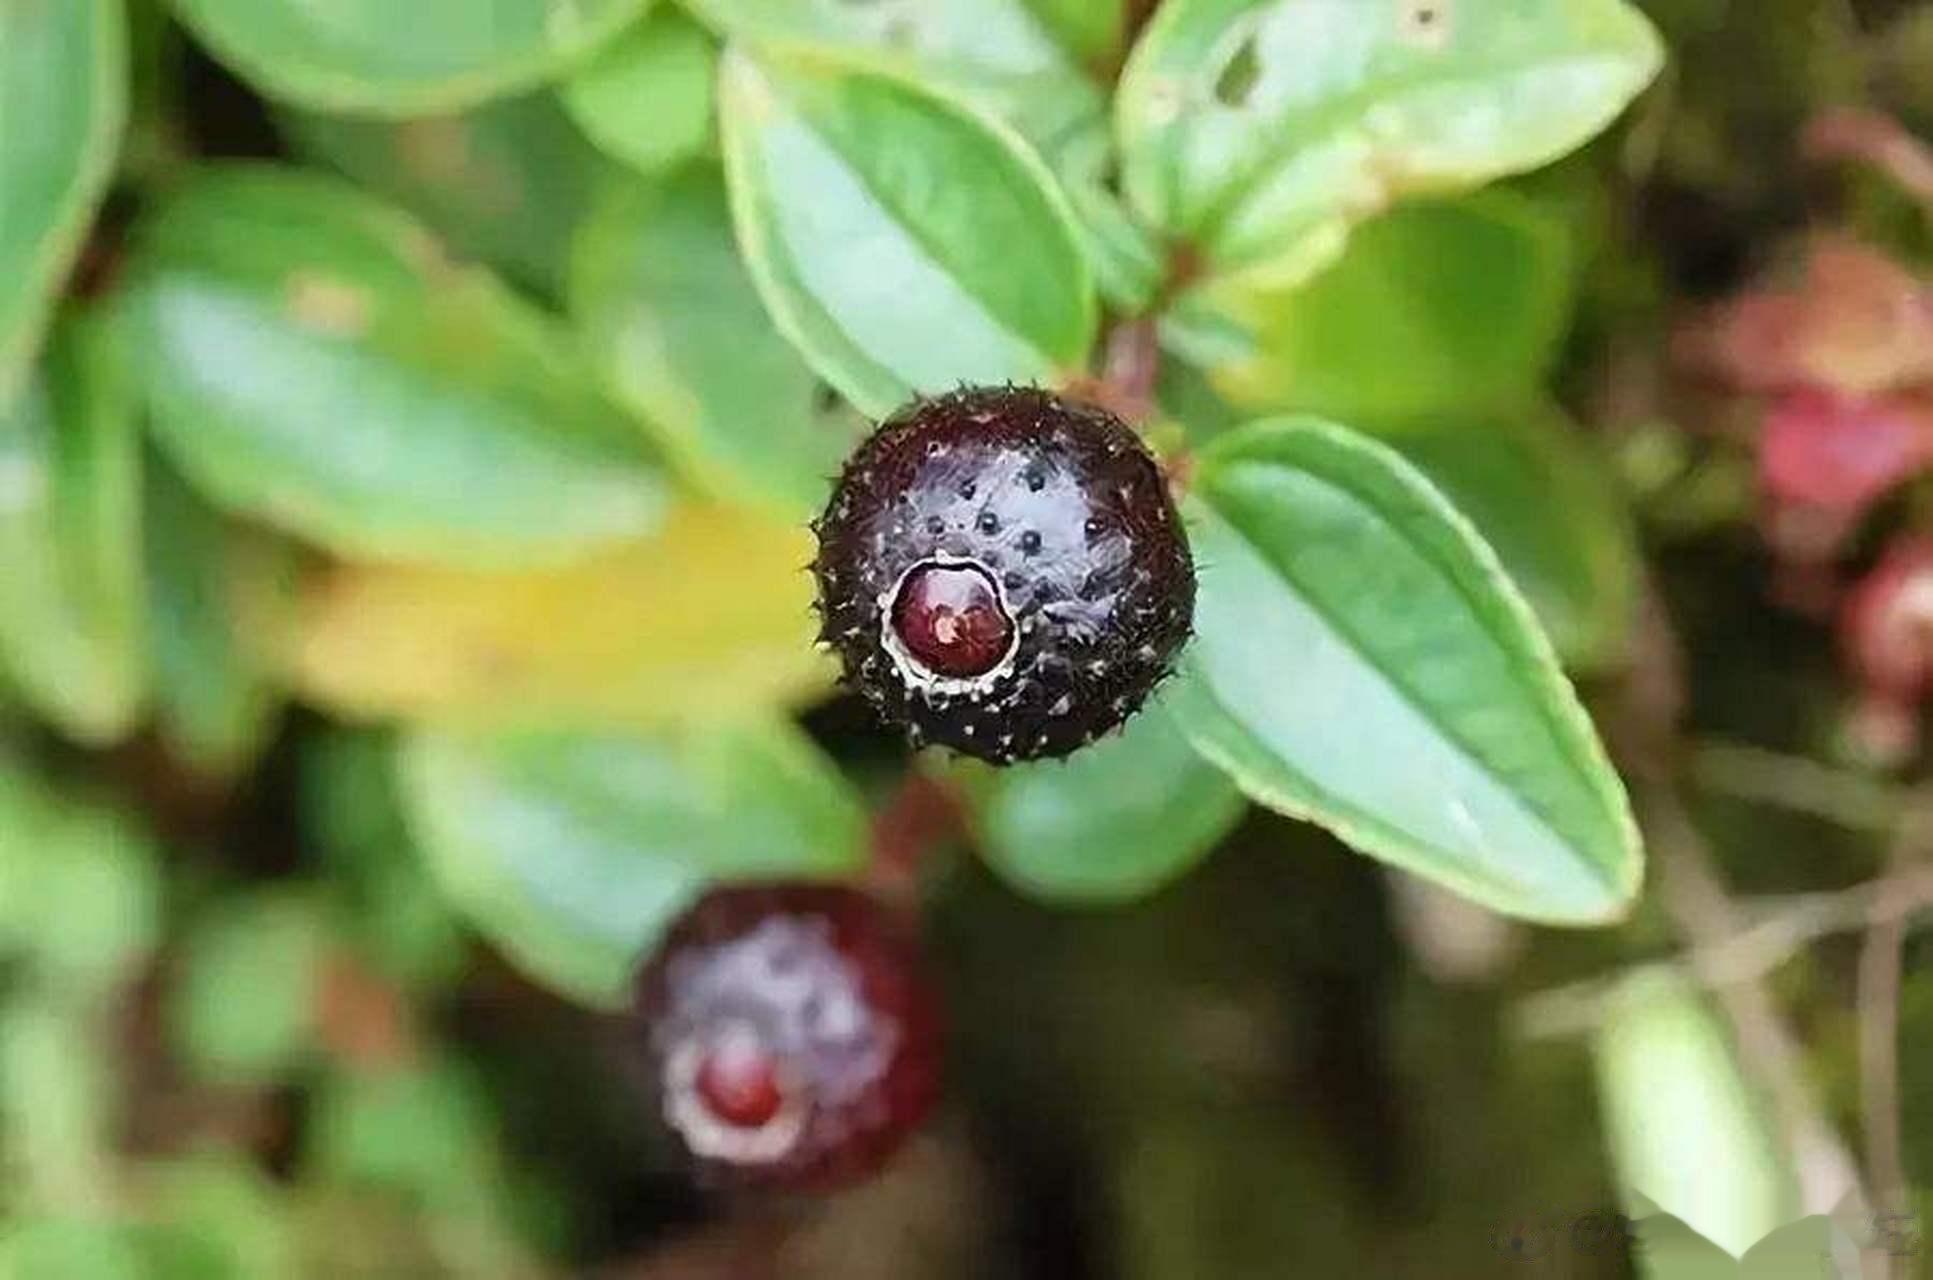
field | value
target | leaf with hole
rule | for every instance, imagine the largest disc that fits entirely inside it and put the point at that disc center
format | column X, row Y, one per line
column 572, row 851
column 650, row 96
column 312, row 360
column 671, row 316
column 1361, row 660
column 1260, row 131
column 902, row 241
column 711, row 618
column 63, row 105
column 1113, row 822
column 378, row 57
column 71, row 595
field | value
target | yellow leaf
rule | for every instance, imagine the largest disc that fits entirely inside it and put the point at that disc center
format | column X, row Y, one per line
column 710, row 617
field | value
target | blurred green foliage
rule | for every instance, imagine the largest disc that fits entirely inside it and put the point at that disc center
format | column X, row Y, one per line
column 409, row 418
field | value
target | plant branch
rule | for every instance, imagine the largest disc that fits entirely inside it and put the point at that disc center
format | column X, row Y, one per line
column 1778, row 933
column 1694, row 895
column 1841, row 796
column 1879, row 989
column 922, row 813
column 1876, row 139
column 1881, row 957
column 1692, row 892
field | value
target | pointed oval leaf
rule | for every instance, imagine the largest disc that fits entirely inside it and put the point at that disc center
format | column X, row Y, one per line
column 1260, row 130
column 312, row 360
column 573, row 851
column 903, row 242
column 649, row 98
column 71, row 592
column 711, row 617
column 63, row 105
column 1008, row 57
column 378, row 57
column 672, row 318
column 1113, row 822
column 1362, row 661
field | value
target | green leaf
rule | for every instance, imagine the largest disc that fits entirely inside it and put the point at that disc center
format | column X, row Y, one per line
column 377, row 57
column 903, row 242
column 1362, row 661
column 1436, row 306
column 245, row 1005
column 216, row 1217
column 1091, row 32
column 998, row 54
column 1111, row 823
column 1538, row 492
column 650, row 96
column 76, row 1248
column 215, row 705
column 63, row 106
column 353, row 812
column 71, row 599
column 311, row 359
column 572, row 851
column 425, row 1131
column 1686, row 1131
column 1129, row 264
column 425, row 1134
column 1261, row 130
column 56, row 1106
column 674, row 321
column 79, row 888
column 506, row 183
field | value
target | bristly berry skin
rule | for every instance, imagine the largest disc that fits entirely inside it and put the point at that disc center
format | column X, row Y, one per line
column 794, row 1037
column 1003, row 572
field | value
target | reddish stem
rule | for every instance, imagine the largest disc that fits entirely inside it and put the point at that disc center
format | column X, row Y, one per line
column 921, row 814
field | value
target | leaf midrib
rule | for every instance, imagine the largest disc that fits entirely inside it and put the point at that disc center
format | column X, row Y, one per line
column 1409, row 694
column 910, row 227
column 1394, row 843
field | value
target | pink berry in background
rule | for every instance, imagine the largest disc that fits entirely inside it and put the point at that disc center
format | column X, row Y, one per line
column 1824, row 449
column 794, row 1036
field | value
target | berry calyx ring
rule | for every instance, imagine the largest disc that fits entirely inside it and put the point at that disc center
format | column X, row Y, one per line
column 948, row 624
column 1002, row 572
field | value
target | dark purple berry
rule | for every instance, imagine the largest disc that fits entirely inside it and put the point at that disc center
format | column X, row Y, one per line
column 795, row 1040
column 1003, row 572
